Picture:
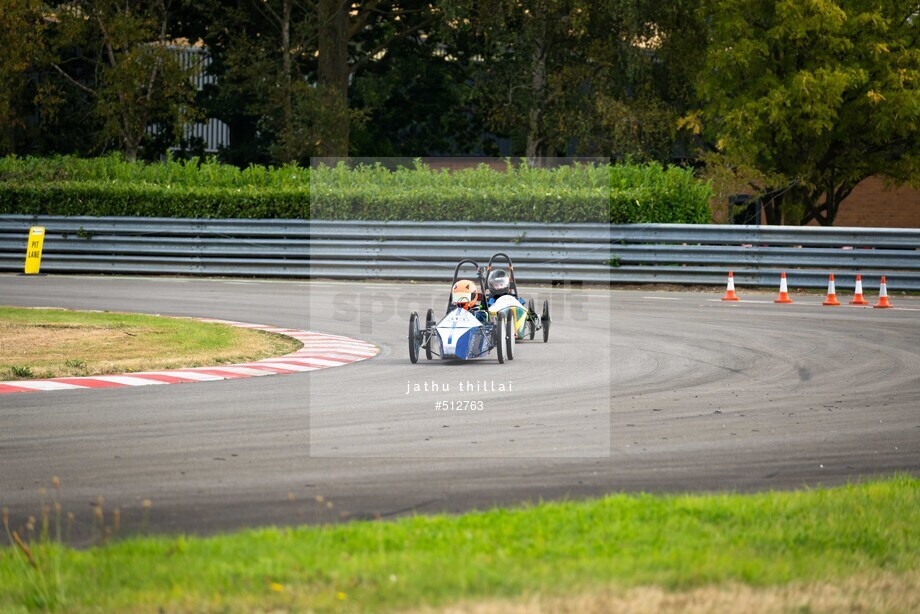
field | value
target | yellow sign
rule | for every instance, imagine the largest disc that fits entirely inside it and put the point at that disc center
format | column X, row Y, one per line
column 34, row 250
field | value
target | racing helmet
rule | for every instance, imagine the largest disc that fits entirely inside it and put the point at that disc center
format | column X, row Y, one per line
column 499, row 281
column 464, row 294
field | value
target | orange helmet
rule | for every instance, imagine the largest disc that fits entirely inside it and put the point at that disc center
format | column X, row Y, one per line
column 464, row 294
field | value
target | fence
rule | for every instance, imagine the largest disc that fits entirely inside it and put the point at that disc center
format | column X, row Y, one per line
column 594, row 253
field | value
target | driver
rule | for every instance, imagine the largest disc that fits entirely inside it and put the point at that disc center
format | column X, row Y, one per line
column 500, row 285
column 466, row 295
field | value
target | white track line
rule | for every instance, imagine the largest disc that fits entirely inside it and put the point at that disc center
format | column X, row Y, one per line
column 46, row 386
column 126, row 380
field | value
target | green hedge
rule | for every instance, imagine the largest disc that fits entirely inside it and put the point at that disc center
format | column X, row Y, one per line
column 101, row 199
column 112, row 169
column 578, row 193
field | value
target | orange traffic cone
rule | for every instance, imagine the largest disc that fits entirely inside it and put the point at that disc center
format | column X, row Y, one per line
column 831, row 293
column 783, row 291
column 858, row 295
column 883, row 302
column 730, row 291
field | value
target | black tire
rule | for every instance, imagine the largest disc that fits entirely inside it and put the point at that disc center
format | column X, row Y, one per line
column 532, row 318
column 414, row 338
column 499, row 333
column 545, row 322
column 510, row 335
column 429, row 326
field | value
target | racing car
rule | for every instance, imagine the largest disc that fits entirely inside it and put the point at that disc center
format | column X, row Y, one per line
column 503, row 298
column 468, row 330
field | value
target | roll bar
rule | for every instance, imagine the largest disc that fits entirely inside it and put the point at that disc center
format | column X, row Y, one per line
column 479, row 279
column 507, row 258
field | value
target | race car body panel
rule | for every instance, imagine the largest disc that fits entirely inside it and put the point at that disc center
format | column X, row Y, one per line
column 509, row 303
column 462, row 336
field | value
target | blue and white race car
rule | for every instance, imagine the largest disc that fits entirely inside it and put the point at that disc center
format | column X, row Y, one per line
column 468, row 330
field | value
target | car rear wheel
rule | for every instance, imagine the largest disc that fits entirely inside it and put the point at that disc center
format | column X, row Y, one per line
column 532, row 318
column 510, row 336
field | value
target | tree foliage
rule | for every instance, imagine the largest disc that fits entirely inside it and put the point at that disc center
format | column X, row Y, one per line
column 571, row 76
column 262, row 61
column 22, row 45
column 797, row 99
column 136, row 80
column 823, row 93
column 301, row 78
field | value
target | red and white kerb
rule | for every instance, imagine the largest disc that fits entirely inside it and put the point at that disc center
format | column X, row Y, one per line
column 319, row 351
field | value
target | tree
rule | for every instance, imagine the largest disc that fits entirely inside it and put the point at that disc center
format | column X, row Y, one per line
column 823, row 93
column 645, row 56
column 523, row 73
column 285, row 68
column 137, row 78
column 351, row 35
column 588, row 77
column 21, row 41
column 415, row 101
column 262, row 60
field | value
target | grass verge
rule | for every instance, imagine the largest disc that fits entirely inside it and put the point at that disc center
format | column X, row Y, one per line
column 884, row 592
column 38, row 343
column 555, row 553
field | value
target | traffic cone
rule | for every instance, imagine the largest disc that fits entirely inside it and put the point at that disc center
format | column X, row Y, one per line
column 883, row 302
column 730, row 291
column 858, row 295
column 831, row 293
column 783, row 291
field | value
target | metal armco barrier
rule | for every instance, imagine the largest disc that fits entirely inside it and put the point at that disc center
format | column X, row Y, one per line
column 593, row 253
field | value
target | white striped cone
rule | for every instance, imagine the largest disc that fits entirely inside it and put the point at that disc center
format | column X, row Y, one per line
column 783, row 291
column 858, row 293
column 831, row 292
column 730, row 290
column 883, row 302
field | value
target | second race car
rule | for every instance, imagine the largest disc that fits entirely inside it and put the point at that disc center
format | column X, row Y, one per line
column 503, row 298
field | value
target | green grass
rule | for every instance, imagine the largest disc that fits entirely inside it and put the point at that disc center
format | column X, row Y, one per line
column 676, row 542
column 59, row 343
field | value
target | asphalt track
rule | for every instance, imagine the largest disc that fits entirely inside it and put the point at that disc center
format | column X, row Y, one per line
column 697, row 395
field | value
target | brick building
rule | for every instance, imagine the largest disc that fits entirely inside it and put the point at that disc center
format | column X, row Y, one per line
column 873, row 204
